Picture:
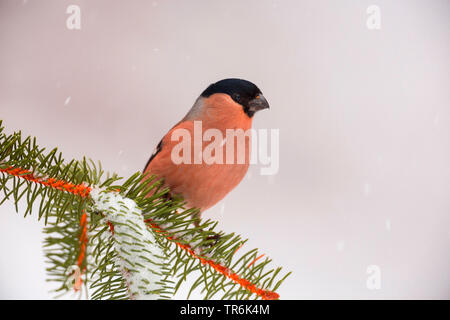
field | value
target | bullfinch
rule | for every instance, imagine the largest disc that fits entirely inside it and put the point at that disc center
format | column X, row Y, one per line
column 224, row 110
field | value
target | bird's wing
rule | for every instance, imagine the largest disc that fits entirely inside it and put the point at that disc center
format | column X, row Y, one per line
column 157, row 150
column 160, row 145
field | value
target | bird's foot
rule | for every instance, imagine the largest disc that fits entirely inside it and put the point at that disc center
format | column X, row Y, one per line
column 215, row 237
column 206, row 248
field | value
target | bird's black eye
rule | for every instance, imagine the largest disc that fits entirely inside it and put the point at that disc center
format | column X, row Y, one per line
column 236, row 97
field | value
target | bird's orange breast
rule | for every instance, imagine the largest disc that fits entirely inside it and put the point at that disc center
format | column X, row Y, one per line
column 202, row 185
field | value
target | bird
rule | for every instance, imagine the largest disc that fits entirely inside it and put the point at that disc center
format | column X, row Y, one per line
column 228, row 104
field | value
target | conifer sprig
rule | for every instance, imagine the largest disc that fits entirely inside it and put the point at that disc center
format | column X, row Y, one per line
column 60, row 191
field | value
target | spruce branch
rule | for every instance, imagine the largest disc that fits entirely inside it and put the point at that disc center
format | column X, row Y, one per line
column 125, row 243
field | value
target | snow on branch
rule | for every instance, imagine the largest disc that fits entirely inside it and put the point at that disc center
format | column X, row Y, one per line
column 139, row 256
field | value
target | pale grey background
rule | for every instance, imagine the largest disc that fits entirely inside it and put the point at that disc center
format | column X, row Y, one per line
column 363, row 116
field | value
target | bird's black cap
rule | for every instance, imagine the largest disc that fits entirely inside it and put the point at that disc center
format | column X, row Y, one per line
column 241, row 91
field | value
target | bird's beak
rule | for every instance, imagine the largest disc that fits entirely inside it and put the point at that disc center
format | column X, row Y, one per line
column 258, row 103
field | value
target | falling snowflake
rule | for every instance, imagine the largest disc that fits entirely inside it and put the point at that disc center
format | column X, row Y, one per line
column 366, row 189
column 388, row 224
